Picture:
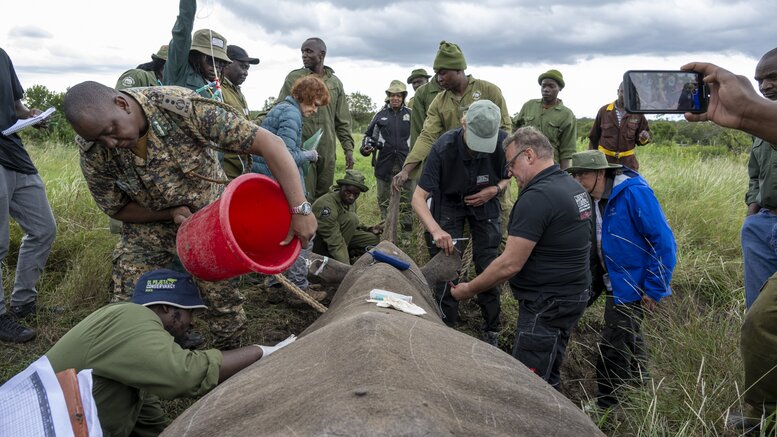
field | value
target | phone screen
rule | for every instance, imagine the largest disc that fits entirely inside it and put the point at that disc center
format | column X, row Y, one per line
column 662, row 92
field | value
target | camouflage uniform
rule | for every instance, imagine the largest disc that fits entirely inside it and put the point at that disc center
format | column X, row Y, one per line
column 334, row 119
column 183, row 131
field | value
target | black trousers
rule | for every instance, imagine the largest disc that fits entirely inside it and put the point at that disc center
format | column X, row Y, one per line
column 542, row 334
column 622, row 355
column 486, row 236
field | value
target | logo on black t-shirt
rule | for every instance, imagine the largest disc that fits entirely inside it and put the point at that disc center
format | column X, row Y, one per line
column 583, row 205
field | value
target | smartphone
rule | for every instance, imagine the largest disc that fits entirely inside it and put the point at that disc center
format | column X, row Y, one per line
column 664, row 92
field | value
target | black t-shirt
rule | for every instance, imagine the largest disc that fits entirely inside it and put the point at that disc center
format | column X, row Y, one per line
column 13, row 156
column 452, row 172
column 554, row 211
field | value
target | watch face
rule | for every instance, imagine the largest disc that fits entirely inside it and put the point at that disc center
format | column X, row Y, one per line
column 304, row 209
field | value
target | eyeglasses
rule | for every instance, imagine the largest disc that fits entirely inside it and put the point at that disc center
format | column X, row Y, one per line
column 509, row 164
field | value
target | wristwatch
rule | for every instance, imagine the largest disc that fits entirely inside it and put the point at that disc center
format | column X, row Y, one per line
column 304, row 209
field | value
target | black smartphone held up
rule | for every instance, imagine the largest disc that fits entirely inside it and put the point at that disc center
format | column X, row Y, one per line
column 664, row 92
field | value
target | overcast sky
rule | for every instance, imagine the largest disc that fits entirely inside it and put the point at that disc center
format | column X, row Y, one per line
column 60, row 43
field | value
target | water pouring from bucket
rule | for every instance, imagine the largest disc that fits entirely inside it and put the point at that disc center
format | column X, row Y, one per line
column 240, row 232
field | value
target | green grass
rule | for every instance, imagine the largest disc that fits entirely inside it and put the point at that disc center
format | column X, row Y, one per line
column 692, row 338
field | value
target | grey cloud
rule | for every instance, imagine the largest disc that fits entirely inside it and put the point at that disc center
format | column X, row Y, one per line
column 29, row 32
column 500, row 32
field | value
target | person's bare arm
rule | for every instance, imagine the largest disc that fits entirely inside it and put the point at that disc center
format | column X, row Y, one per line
column 505, row 266
column 442, row 239
column 134, row 213
column 282, row 166
column 734, row 103
column 23, row 112
column 238, row 359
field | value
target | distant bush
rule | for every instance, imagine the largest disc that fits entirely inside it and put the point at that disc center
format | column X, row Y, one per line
column 59, row 130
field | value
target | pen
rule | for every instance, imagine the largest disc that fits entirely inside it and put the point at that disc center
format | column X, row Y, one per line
column 453, row 239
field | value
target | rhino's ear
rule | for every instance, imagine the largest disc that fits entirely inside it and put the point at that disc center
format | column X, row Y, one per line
column 329, row 270
column 442, row 267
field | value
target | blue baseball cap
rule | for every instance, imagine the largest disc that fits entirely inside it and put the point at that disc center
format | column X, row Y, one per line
column 167, row 287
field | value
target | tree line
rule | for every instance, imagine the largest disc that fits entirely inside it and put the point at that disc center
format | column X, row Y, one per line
column 363, row 109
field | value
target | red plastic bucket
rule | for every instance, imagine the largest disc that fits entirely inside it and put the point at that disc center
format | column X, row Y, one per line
column 239, row 233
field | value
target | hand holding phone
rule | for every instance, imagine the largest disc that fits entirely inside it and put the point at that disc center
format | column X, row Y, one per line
column 664, row 92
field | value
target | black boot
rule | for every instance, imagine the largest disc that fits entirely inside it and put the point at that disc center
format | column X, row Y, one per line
column 12, row 331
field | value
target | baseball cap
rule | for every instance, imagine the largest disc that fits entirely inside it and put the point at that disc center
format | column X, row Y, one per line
column 167, row 287
column 483, row 118
column 236, row 53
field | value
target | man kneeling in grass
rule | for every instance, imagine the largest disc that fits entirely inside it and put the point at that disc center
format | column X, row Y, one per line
column 134, row 353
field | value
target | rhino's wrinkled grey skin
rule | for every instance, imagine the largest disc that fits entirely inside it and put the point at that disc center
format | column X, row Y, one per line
column 361, row 370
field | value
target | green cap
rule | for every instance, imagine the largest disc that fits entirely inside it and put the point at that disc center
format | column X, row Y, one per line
column 449, row 57
column 418, row 72
column 210, row 43
column 161, row 53
column 483, row 119
column 396, row 87
column 590, row 160
column 552, row 74
column 355, row 178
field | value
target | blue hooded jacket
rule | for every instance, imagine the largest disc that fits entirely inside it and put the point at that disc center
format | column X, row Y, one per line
column 638, row 245
column 284, row 120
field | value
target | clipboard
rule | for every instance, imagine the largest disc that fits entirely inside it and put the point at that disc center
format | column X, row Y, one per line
column 312, row 142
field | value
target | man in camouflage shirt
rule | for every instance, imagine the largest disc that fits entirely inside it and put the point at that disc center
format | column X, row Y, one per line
column 148, row 157
column 334, row 119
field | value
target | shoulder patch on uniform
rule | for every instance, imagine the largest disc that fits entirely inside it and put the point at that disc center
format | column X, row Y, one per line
column 326, row 212
column 83, row 144
column 406, row 117
column 178, row 105
column 476, row 95
column 128, row 81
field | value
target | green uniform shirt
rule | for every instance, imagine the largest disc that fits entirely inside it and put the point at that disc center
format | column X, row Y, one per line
column 445, row 113
column 419, row 105
column 184, row 129
column 558, row 123
column 136, row 78
column 328, row 209
column 131, row 355
column 177, row 69
column 334, row 118
column 763, row 177
column 233, row 96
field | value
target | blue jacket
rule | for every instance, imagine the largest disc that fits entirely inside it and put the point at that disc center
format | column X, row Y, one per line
column 284, row 120
column 637, row 244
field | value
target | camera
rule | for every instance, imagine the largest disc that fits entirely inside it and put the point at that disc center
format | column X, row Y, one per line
column 369, row 144
column 664, row 92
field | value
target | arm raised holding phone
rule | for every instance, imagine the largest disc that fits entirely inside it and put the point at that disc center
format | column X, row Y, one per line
column 734, row 103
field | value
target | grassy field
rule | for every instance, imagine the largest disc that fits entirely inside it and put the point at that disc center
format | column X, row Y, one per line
column 692, row 338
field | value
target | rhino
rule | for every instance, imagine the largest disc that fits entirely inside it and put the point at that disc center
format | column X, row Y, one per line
column 363, row 370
